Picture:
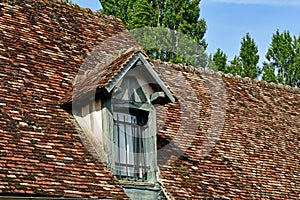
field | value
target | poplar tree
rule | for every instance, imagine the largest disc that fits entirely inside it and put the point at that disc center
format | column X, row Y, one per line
column 220, row 60
column 181, row 17
column 235, row 67
column 249, row 58
column 283, row 60
column 246, row 64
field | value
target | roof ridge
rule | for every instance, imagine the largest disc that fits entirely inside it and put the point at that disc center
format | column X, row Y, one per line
column 85, row 10
column 236, row 78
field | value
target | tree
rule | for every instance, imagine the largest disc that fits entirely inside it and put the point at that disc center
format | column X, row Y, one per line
column 249, row 57
column 220, row 60
column 235, row 67
column 183, row 15
column 283, row 60
column 120, row 9
column 142, row 14
column 178, row 17
column 294, row 70
column 246, row 64
column 269, row 73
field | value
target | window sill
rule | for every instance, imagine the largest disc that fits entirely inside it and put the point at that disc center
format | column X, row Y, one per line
column 139, row 184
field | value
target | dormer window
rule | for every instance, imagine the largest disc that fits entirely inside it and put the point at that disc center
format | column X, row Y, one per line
column 120, row 123
column 134, row 131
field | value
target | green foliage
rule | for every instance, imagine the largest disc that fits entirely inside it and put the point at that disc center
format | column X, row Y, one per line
column 283, row 60
column 244, row 65
column 134, row 13
column 269, row 73
column 142, row 15
column 181, row 17
column 235, row 67
column 158, row 44
column 220, row 60
column 117, row 8
column 249, row 58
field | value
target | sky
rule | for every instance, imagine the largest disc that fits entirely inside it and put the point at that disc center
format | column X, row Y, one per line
column 228, row 21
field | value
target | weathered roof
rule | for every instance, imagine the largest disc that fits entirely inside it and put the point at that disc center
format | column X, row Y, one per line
column 225, row 137
column 42, row 46
column 99, row 77
column 245, row 143
column 105, row 76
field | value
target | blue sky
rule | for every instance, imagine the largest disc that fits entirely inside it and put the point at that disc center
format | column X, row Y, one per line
column 229, row 20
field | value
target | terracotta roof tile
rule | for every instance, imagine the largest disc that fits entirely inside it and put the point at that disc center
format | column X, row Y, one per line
column 233, row 137
column 42, row 47
column 102, row 75
column 254, row 155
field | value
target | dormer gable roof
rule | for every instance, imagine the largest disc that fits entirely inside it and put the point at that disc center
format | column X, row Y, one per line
column 104, row 79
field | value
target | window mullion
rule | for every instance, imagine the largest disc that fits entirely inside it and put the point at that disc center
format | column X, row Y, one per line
column 126, row 148
column 119, row 151
column 135, row 155
column 142, row 152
